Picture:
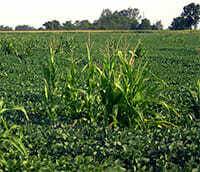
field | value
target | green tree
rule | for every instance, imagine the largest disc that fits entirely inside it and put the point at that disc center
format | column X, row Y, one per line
column 189, row 18
column 68, row 25
column 52, row 25
column 83, row 25
column 180, row 23
column 134, row 24
column 24, row 27
column 158, row 25
column 145, row 24
column 105, row 20
column 191, row 13
column 5, row 28
column 124, row 19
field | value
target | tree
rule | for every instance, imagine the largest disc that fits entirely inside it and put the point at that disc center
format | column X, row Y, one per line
column 124, row 19
column 180, row 23
column 157, row 26
column 145, row 24
column 132, row 13
column 189, row 18
column 106, row 13
column 84, row 24
column 134, row 24
column 105, row 20
column 191, row 13
column 5, row 28
column 52, row 25
column 24, row 27
column 68, row 25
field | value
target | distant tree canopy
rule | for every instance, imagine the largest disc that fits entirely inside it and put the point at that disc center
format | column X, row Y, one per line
column 157, row 26
column 68, row 25
column 125, row 19
column 5, row 28
column 52, row 25
column 24, row 27
column 145, row 24
column 188, row 19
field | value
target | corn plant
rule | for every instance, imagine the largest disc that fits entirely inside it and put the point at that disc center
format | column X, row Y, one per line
column 73, row 93
column 51, row 84
column 6, row 47
column 14, row 108
column 69, row 95
column 194, row 97
column 91, row 95
column 62, row 46
column 9, row 140
column 67, row 46
column 140, row 51
column 21, row 49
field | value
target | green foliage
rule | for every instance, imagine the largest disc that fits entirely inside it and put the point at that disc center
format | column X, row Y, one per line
column 126, row 19
column 124, row 91
column 24, row 28
column 52, row 25
column 189, row 18
column 51, row 84
column 101, row 106
column 10, row 138
column 194, row 97
column 22, row 49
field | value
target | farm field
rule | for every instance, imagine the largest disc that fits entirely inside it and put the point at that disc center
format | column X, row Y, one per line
column 100, row 101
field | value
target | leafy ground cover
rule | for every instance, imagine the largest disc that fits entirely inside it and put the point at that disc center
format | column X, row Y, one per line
column 100, row 101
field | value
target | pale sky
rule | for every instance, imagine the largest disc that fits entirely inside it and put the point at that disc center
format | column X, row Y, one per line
column 36, row 12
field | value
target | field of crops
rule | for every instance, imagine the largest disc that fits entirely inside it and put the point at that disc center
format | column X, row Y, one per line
column 119, row 101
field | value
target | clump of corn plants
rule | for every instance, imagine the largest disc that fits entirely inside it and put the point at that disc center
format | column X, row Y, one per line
column 126, row 93
column 117, row 91
column 80, row 93
column 56, row 96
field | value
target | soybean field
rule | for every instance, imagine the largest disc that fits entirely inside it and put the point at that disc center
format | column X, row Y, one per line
column 100, row 101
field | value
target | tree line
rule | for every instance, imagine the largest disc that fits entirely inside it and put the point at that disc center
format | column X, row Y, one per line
column 126, row 19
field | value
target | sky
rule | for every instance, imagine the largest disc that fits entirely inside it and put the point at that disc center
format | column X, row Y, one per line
column 36, row 12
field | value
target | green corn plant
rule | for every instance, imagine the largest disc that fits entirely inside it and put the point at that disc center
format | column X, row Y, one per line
column 79, row 96
column 140, row 51
column 6, row 47
column 63, row 46
column 16, row 108
column 126, row 93
column 67, row 46
column 51, row 84
column 194, row 97
column 73, row 92
column 9, row 140
column 91, row 96
column 109, row 88
column 23, row 49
